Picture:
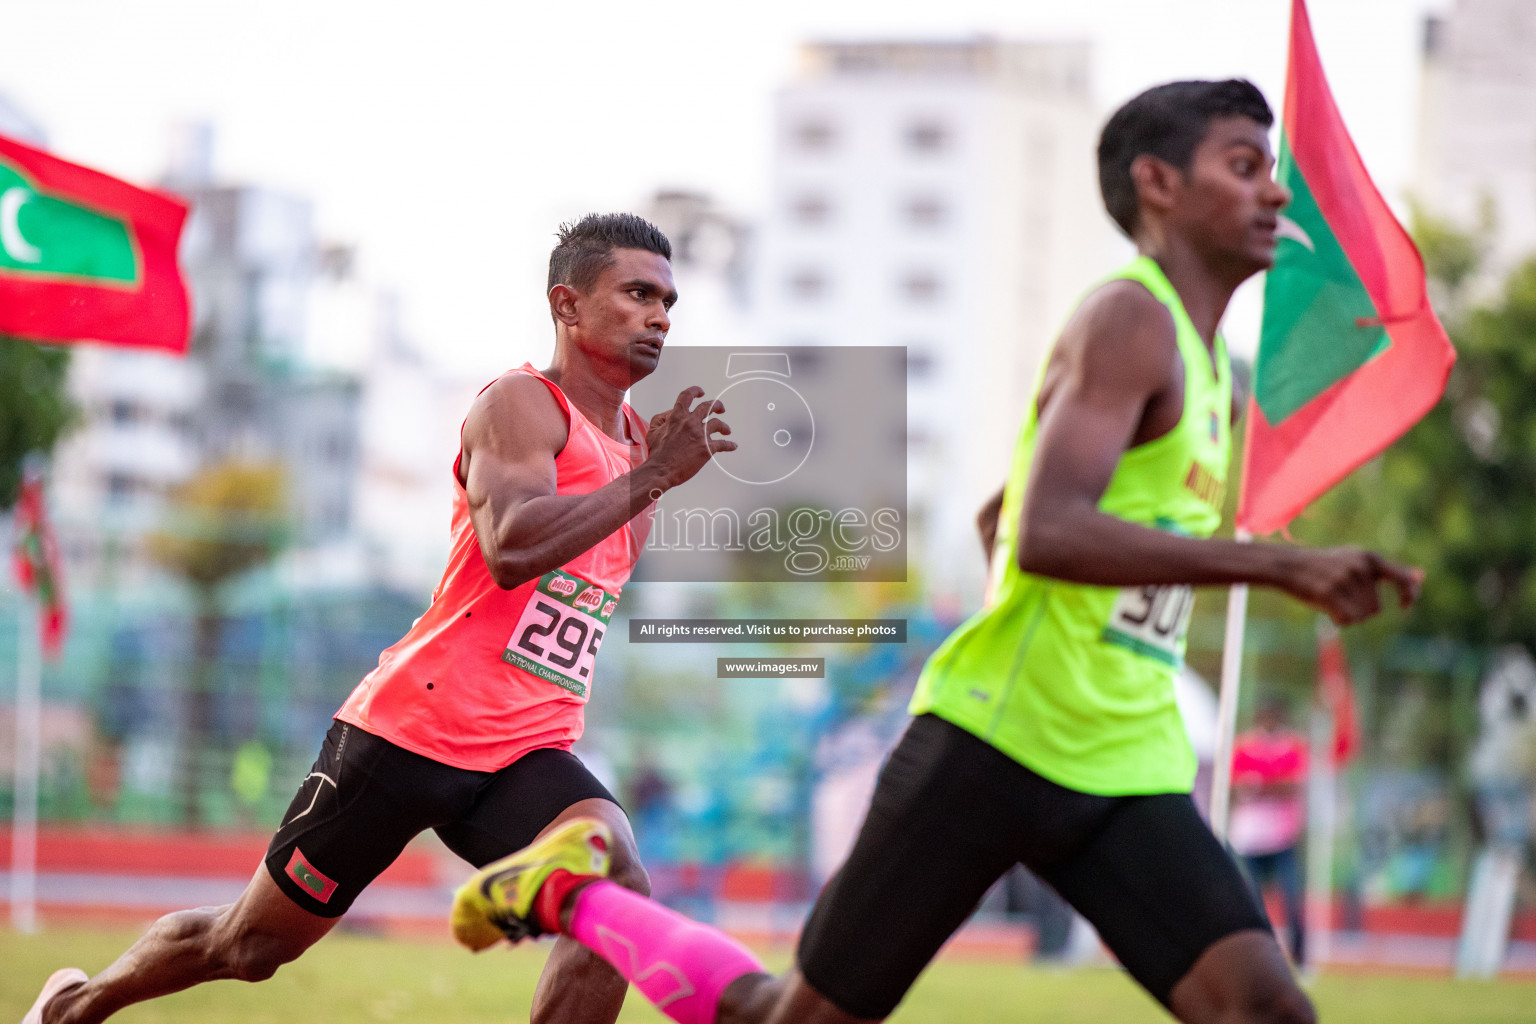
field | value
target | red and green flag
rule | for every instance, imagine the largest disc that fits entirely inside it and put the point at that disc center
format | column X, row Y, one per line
column 86, row 257
column 37, row 563
column 1350, row 353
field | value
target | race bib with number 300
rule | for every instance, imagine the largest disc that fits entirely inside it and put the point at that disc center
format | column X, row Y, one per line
column 561, row 628
column 1151, row 621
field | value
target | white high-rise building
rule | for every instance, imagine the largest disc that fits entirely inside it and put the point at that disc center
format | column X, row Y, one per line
column 941, row 196
column 149, row 421
column 711, row 257
column 410, row 415
column 1477, row 130
column 135, row 440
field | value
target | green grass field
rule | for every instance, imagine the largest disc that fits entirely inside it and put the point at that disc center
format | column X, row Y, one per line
column 354, row 979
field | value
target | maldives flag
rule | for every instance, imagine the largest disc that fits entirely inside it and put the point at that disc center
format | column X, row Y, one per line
column 37, row 563
column 1350, row 353
column 85, row 257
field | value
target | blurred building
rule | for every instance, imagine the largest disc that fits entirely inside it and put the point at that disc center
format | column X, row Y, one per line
column 712, row 251
column 246, row 391
column 409, row 423
column 1477, row 129
column 254, row 263
column 941, row 196
column 133, row 443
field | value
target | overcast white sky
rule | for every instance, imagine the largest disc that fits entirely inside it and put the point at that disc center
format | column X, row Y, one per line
column 446, row 139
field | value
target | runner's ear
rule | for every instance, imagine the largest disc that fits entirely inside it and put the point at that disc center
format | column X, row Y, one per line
column 562, row 304
column 1156, row 182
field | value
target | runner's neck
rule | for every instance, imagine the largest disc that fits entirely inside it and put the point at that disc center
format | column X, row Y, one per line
column 600, row 402
column 1204, row 290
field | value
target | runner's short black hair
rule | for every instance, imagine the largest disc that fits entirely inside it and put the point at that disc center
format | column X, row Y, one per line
column 1167, row 121
column 586, row 247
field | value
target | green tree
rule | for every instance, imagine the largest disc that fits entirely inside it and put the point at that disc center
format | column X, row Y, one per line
column 34, row 408
column 225, row 521
column 1453, row 256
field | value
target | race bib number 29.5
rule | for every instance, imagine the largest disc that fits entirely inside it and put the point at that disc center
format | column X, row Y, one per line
column 1151, row 621
column 561, row 628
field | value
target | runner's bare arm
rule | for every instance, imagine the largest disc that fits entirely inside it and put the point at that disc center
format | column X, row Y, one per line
column 1116, row 357
column 514, row 432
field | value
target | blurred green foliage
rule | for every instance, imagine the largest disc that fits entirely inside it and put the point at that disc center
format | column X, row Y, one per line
column 228, row 518
column 35, row 409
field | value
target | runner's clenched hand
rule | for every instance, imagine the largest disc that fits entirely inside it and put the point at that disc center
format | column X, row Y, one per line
column 683, row 438
column 1343, row 582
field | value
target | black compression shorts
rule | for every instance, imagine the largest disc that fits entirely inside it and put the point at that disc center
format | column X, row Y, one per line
column 951, row 813
column 365, row 798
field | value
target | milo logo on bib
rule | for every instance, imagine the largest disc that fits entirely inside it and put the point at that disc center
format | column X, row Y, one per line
column 560, row 631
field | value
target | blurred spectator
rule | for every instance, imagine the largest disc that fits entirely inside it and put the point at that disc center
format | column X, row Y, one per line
column 1269, row 771
column 648, row 800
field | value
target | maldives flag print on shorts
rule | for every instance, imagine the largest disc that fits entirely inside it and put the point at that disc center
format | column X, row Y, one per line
column 310, row 880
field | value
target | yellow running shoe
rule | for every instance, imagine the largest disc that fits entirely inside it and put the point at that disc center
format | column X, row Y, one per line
column 497, row 902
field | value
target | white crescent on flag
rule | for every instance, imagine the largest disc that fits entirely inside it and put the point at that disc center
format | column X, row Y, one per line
column 12, row 241
column 1288, row 228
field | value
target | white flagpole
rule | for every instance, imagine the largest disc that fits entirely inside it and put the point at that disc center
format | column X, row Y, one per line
column 1226, row 714
column 28, row 748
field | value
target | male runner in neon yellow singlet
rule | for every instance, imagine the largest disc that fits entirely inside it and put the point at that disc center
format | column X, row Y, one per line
column 1046, row 729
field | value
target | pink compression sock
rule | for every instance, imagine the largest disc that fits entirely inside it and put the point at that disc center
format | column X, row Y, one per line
column 681, row 966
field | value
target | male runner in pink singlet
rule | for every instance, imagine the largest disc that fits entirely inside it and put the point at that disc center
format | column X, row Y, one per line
column 466, row 725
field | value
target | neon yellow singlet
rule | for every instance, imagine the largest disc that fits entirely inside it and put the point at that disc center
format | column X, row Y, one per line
column 1073, row 681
